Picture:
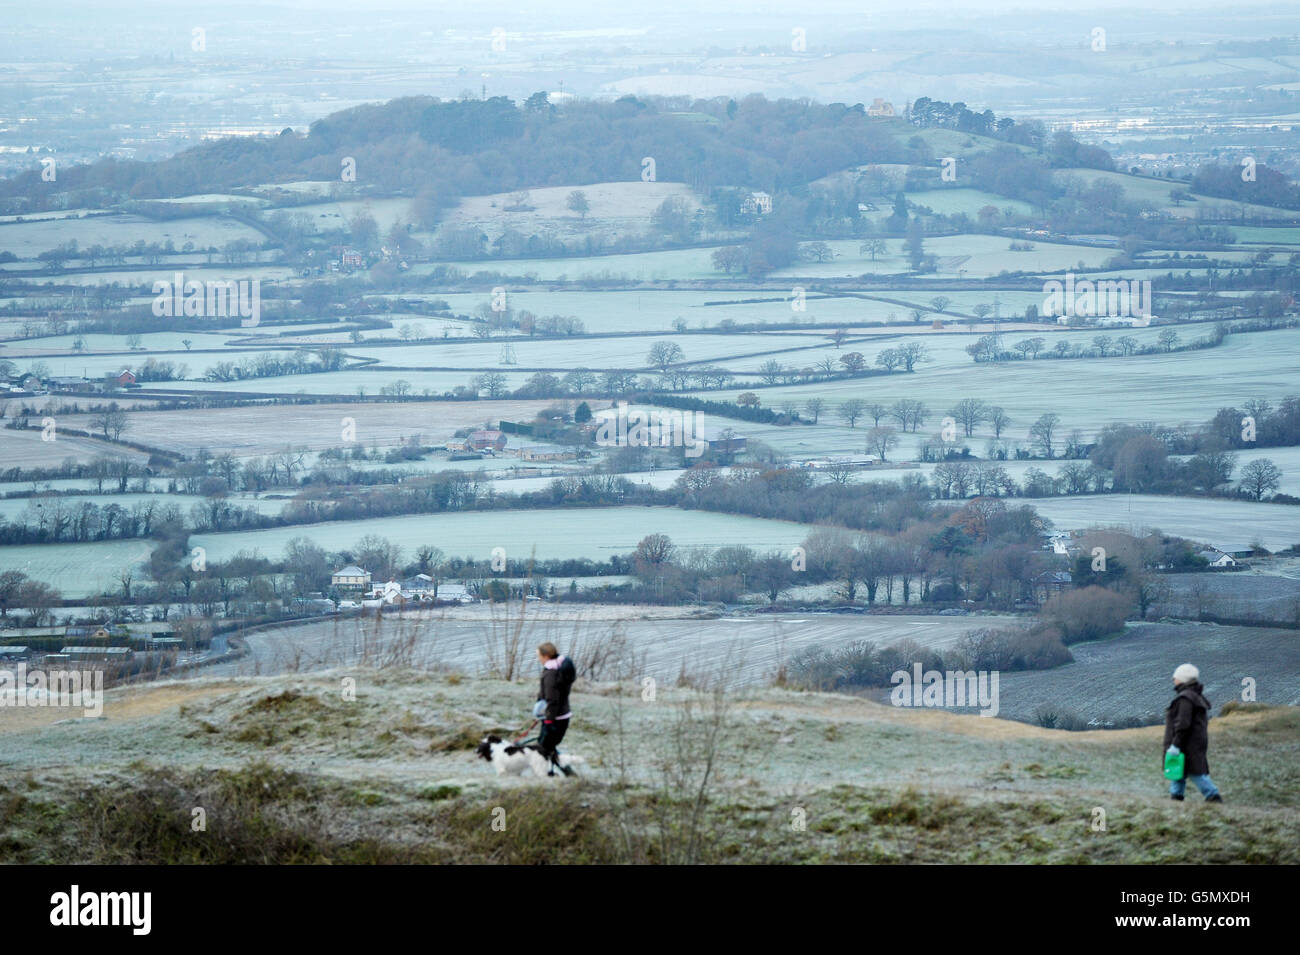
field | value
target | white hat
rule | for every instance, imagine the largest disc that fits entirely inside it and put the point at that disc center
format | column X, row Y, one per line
column 1186, row 673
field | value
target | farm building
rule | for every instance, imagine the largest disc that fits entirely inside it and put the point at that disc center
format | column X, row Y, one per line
column 124, row 377
column 1063, row 545
column 880, row 107
column 351, row 579
column 729, row 444
column 390, row 593
column 75, row 384
column 1109, row 321
column 455, row 592
column 153, row 630
column 543, row 453
column 1216, row 558
column 419, row 584
column 312, row 605
column 101, row 654
column 1053, row 582
column 29, row 633
column 24, row 385
column 756, row 203
column 484, row 440
column 96, row 632
column 347, row 258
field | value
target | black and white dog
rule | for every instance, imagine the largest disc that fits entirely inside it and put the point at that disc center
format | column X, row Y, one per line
column 512, row 759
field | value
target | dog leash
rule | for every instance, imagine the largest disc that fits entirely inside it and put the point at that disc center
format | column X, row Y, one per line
column 525, row 732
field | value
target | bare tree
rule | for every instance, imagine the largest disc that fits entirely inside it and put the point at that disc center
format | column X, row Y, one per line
column 664, row 354
column 880, row 441
column 969, row 412
column 1259, row 477
column 999, row 420
column 111, row 421
column 851, row 410
column 1042, row 431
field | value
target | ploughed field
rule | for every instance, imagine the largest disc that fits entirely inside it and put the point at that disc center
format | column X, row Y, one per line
column 744, row 651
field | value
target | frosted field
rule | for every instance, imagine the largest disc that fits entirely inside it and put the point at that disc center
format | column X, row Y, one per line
column 1142, row 189
column 263, row 429
column 526, row 485
column 51, row 214
column 1227, row 525
column 950, row 142
column 984, row 256
column 1267, row 236
column 646, row 266
column 655, row 311
column 969, row 201
column 749, row 650
column 12, row 507
column 145, row 276
column 80, row 570
column 153, row 344
column 144, row 485
column 1086, row 393
column 1129, row 674
column 209, row 198
column 325, row 333
column 1136, row 188
column 329, row 216
column 1009, row 302
column 617, row 208
column 25, row 449
column 1145, row 273
column 504, row 468
column 272, row 332
column 27, row 239
column 357, row 382
column 1288, row 459
column 595, row 353
column 319, row 186
column 1236, row 255
column 95, row 366
column 597, row 532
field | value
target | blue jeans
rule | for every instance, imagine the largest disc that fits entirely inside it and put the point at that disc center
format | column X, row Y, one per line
column 1204, row 783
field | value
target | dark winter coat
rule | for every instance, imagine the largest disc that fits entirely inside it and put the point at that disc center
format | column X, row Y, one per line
column 1187, row 727
column 555, row 688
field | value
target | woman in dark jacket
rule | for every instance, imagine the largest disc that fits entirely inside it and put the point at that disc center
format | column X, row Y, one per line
column 558, row 674
column 1187, row 731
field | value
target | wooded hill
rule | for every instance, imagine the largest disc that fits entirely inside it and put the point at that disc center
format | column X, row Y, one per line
column 420, row 145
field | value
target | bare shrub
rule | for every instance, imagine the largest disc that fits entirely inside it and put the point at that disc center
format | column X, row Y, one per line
column 1086, row 614
column 604, row 653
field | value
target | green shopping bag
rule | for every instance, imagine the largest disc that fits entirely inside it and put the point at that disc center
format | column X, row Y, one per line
column 1174, row 764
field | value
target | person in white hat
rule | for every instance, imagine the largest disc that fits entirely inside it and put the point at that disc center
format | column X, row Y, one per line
column 1187, row 731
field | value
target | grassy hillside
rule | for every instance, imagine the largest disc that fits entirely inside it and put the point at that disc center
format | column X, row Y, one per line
column 288, row 770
